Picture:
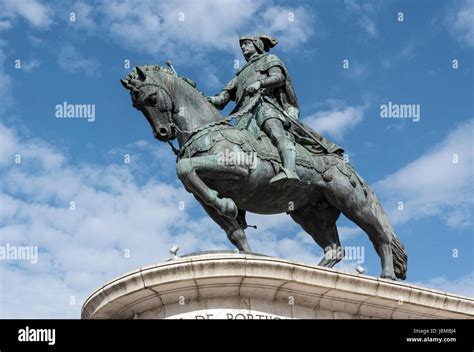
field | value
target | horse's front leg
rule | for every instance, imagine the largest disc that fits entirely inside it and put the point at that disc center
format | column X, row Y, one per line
column 234, row 228
column 188, row 170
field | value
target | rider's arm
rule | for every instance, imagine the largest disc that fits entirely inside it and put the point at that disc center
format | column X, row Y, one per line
column 228, row 93
column 275, row 78
column 221, row 99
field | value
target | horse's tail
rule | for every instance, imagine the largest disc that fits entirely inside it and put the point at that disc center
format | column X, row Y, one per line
column 399, row 253
column 400, row 257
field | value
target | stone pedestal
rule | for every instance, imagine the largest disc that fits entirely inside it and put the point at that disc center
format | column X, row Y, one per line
column 228, row 285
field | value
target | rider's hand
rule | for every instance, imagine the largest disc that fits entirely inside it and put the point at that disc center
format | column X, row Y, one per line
column 254, row 87
column 212, row 100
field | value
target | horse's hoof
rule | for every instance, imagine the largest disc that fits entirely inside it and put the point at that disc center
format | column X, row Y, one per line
column 389, row 276
column 228, row 208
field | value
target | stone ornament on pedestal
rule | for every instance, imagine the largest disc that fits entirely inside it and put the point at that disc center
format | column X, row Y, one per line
column 228, row 285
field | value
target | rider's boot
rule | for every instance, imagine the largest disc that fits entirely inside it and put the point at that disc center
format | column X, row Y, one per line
column 286, row 148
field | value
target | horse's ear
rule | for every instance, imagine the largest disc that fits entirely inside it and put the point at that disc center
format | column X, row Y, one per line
column 125, row 84
column 140, row 73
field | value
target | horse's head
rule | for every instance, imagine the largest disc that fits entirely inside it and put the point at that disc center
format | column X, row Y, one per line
column 150, row 94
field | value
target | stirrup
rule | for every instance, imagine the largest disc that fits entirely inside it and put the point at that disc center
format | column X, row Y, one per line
column 285, row 175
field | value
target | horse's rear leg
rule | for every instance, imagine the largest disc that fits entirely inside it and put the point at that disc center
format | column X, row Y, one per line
column 188, row 170
column 233, row 227
column 320, row 222
column 366, row 212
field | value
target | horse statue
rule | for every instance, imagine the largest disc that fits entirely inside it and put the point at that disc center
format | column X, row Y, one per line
column 228, row 170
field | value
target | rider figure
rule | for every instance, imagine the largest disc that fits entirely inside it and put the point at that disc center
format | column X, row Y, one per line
column 265, row 74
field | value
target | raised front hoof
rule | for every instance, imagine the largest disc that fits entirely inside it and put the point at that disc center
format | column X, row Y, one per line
column 389, row 276
column 227, row 208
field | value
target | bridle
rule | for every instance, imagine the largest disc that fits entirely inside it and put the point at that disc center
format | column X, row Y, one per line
column 171, row 110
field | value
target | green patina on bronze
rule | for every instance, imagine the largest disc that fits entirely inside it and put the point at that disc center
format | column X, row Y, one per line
column 269, row 162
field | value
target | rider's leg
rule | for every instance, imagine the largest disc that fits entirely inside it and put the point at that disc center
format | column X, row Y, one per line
column 273, row 127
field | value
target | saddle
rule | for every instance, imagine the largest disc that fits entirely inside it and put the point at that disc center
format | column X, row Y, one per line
column 204, row 140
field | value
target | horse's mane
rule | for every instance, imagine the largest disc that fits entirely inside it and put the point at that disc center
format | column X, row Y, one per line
column 133, row 81
column 149, row 69
column 133, row 75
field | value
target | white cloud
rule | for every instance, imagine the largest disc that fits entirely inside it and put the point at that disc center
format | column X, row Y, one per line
column 301, row 247
column 463, row 286
column 291, row 26
column 36, row 41
column 461, row 23
column 116, row 210
column 213, row 81
column 434, row 185
column 186, row 31
column 270, row 222
column 70, row 60
column 36, row 152
column 82, row 248
column 8, row 145
column 356, row 71
column 5, row 25
column 210, row 78
column 369, row 25
column 348, row 233
column 37, row 14
column 30, row 65
column 84, row 15
column 275, row 236
column 364, row 12
column 337, row 121
column 6, row 81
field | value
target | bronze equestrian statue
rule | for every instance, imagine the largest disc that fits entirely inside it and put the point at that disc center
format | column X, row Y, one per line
column 293, row 169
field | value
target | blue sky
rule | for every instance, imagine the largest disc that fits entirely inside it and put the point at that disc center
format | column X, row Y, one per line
column 127, row 215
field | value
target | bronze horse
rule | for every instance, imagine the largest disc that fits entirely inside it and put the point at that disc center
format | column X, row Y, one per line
column 227, row 188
